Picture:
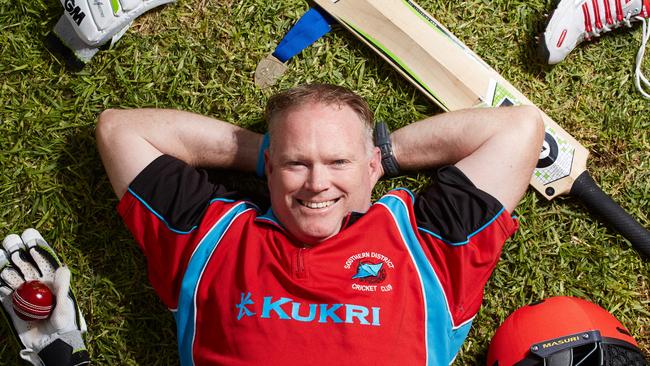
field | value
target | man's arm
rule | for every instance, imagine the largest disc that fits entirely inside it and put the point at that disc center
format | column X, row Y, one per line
column 128, row 140
column 496, row 148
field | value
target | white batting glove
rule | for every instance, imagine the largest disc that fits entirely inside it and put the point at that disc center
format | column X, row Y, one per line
column 56, row 340
column 86, row 25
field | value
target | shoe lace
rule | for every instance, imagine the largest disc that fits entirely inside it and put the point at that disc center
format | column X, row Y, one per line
column 597, row 28
column 640, row 80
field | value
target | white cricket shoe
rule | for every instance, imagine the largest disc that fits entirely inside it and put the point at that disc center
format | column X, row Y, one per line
column 574, row 21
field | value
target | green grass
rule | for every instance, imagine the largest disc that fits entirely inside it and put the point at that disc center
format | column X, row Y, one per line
column 200, row 55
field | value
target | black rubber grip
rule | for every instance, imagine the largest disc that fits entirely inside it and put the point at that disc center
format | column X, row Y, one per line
column 600, row 204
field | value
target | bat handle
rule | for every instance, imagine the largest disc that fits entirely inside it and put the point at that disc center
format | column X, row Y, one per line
column 600, row 204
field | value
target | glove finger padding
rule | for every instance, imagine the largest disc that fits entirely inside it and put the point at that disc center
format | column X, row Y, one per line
column 19, row 258
column 10, row 278
column 58, row 339
column 42, row 254
column 66, row 305
column 61, row 289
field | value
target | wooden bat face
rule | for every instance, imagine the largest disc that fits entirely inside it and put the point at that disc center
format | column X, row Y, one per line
column 453, row 76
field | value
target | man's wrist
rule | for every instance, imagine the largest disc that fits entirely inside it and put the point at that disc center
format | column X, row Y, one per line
column 259, row 170
column 382, row 141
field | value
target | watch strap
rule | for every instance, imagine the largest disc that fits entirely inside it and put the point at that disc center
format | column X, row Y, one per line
column 382, row 141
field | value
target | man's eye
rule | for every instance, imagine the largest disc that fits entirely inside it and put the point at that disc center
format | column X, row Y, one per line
column 341, row 162
column 295, row 163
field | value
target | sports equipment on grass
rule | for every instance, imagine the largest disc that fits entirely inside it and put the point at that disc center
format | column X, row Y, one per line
column 57, row 340
column 87, row 25
column 311, row 26
column 563, row 331
column 454, row 77
column 573, row 22
column 33, row 300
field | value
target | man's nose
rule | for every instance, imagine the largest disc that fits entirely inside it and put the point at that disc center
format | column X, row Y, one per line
column 318, row 179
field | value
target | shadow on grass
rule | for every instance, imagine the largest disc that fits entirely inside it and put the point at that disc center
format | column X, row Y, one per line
column 127, row 322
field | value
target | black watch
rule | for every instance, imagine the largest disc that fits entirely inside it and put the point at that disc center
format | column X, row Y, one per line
column 382, row 141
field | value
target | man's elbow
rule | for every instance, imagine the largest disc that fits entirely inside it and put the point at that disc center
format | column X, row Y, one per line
column 530, row 128
column 105, row 124
column 108, row 124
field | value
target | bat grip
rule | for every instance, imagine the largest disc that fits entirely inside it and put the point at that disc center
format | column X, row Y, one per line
column 600, row 204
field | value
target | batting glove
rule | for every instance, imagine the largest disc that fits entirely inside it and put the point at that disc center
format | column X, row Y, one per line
column 56, row 340
column 86, row 25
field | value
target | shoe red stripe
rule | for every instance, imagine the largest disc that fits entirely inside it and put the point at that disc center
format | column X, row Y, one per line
column 608, row 13
column 585, row 11
column 619, row 10
column 646, row 9
column 599, row 24
column 561, row 40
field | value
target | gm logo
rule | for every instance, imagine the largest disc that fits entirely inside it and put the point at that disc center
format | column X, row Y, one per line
column 74, row 11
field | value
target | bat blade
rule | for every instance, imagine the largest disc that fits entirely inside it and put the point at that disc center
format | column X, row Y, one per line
column 454, row 77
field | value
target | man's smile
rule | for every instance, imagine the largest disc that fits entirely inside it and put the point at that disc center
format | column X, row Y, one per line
column 317, row 205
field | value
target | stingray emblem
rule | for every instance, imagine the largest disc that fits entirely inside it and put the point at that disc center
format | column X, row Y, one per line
column 368, row 270
column 371, row 271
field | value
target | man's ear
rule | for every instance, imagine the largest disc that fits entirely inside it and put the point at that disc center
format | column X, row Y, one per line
column 376, row 169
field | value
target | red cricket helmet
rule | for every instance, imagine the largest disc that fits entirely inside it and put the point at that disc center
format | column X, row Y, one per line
column 563, row 331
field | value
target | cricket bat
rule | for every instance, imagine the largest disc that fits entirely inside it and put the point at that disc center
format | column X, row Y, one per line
column 454, row 77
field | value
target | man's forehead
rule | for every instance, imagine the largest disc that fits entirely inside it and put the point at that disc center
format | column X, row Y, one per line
column 339, row 133
column 320, row 112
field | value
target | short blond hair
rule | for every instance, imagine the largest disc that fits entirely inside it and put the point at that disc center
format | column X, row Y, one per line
column 326, row 94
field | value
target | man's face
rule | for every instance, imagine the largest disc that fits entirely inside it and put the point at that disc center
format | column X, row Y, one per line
column 320, row 169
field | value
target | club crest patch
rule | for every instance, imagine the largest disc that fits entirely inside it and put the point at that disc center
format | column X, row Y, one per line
column 369, row 272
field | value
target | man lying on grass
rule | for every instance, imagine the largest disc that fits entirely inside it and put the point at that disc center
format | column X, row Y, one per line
column 324, row 277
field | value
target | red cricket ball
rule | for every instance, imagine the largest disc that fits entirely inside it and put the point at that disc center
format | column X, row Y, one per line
column 33, row 300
